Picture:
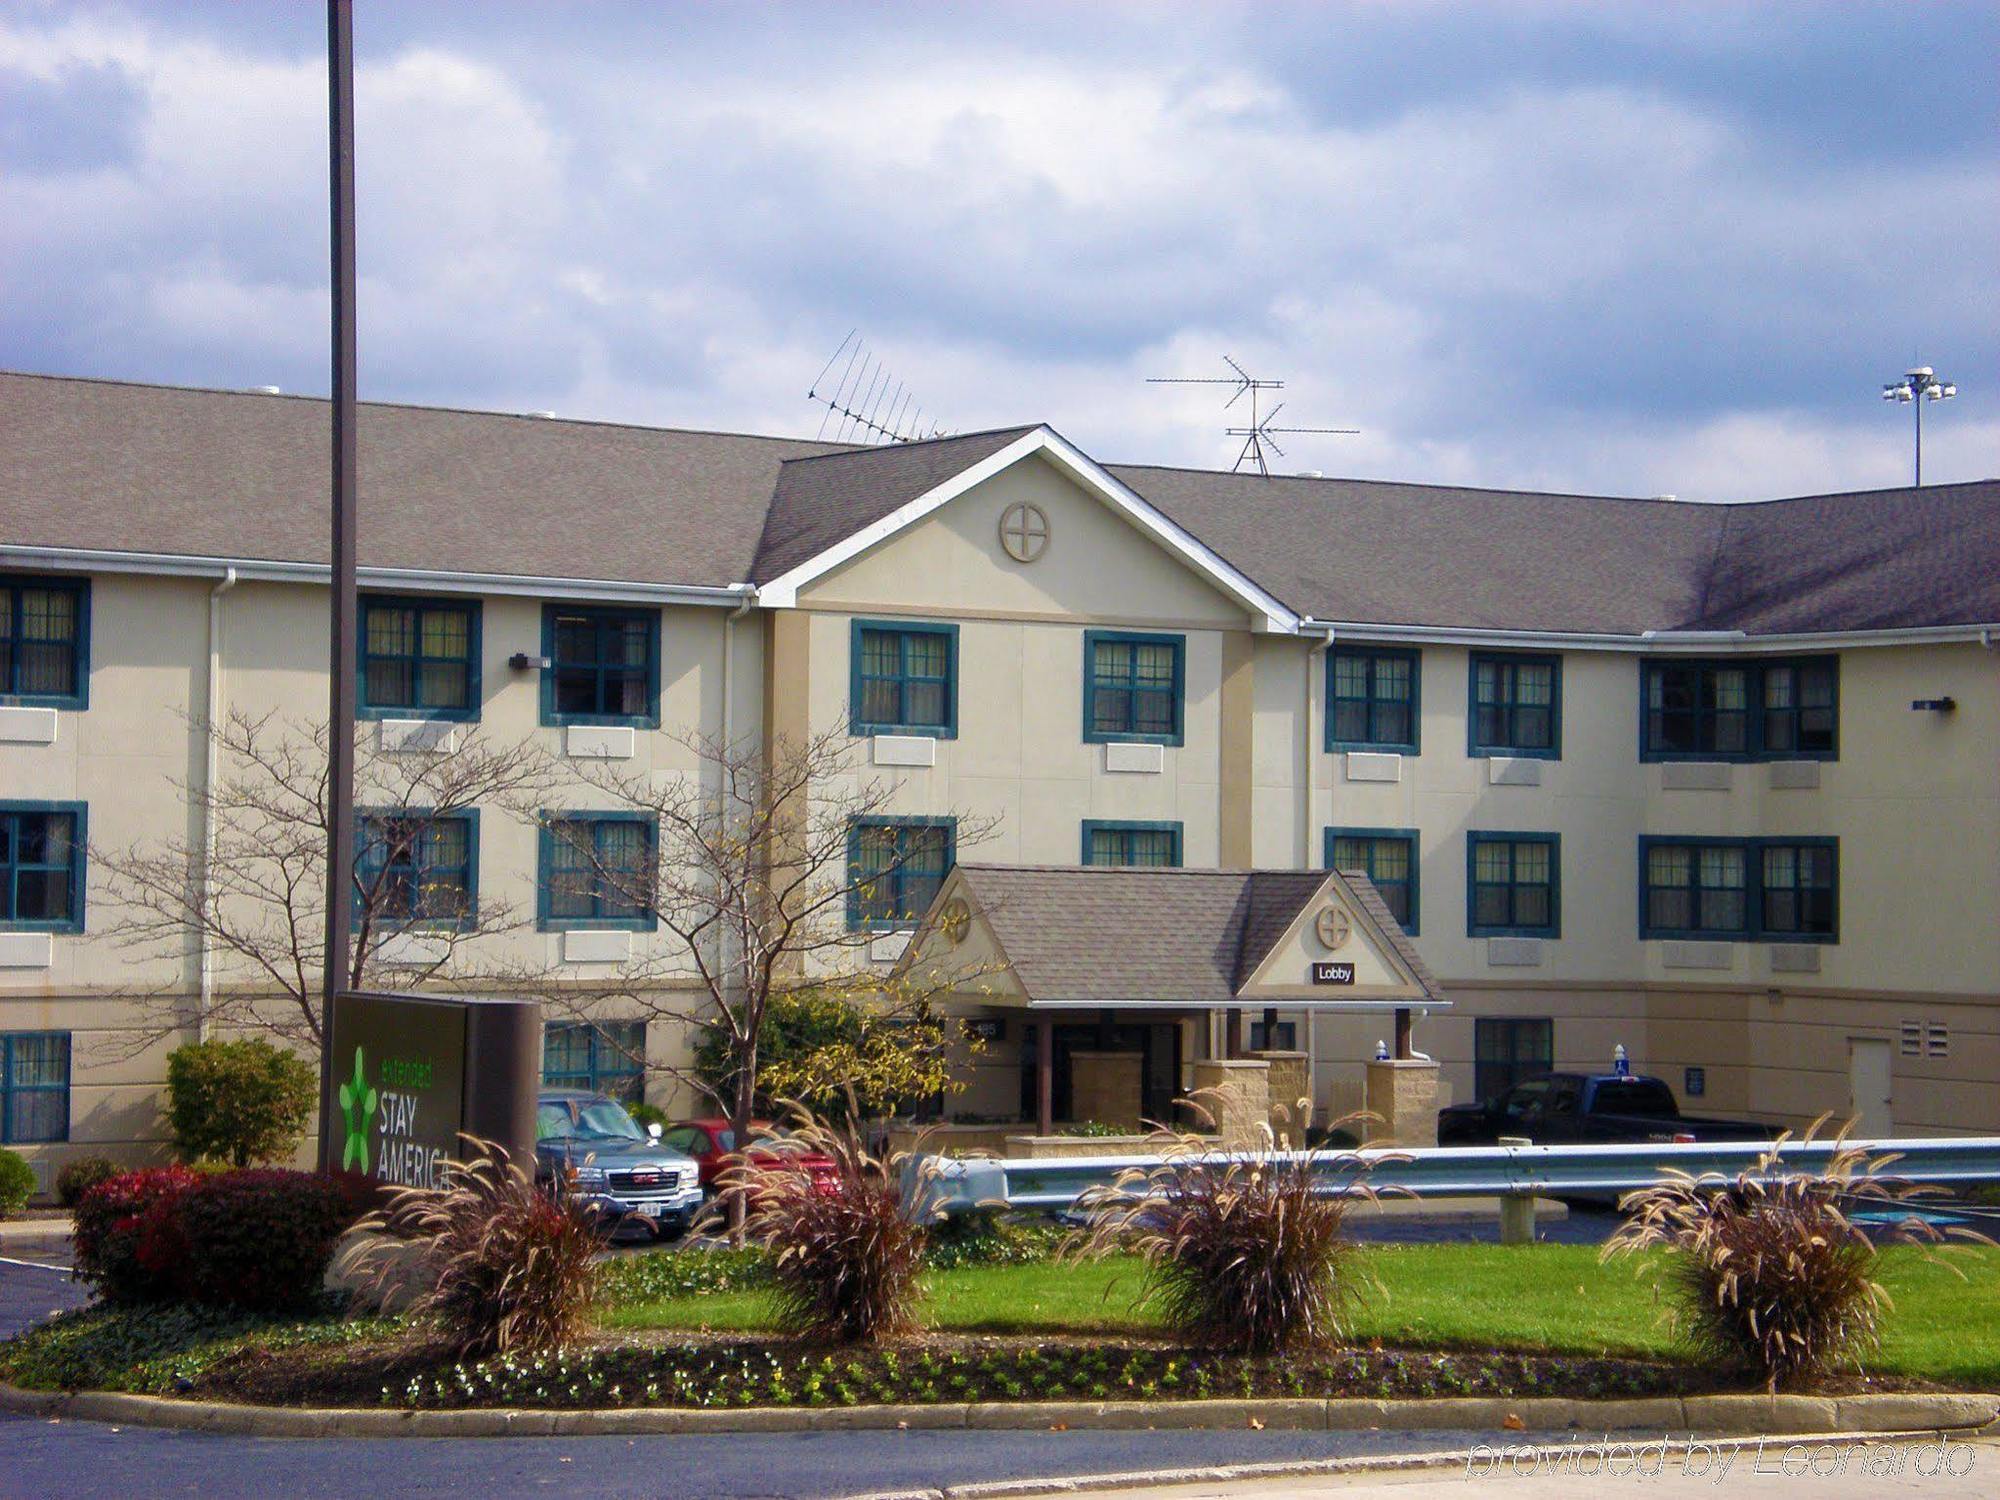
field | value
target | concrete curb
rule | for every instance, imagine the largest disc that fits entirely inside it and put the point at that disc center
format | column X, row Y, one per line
column 1732, row 1415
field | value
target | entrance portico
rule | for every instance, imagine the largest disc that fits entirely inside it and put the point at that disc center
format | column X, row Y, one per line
column 1115, row 992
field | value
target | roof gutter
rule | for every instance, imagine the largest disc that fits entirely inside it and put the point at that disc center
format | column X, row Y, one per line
column 267, row 570
column 1647, row 642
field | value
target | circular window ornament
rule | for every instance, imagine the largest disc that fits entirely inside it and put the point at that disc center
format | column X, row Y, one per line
column 955, row 921
column 1333, row 928
column 1024, row 531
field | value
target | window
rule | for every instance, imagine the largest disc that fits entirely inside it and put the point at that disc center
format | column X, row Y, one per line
column 34, row 1087
column 1514, row 885
column 1780, row 890
column 1798, row 889
column 1800, row 717
column 41, row 866
column 1697, row 708
column 419, row 657
column 1372, row 699
column 1131, row 843
column 905, row 679
column 597, row 870
column 896, row 866
column 606, row 1057
column 1132, row 687
column 1508, row 1050
column 1740, row 709
column 1694, row 889
column 1388, row 857
column 45, row 642
column 1284, row 1038
column 604, row 665
column 419, row 868
column 1516, row 705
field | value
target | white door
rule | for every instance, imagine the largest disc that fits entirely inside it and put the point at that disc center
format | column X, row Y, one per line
column 1868, row 1101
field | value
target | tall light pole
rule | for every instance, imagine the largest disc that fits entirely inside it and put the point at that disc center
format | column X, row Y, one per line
column 1915, row 388
column 341, row 645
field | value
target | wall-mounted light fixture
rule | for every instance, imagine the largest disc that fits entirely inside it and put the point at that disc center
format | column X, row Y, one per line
column 520, row 661
column 1933, row 705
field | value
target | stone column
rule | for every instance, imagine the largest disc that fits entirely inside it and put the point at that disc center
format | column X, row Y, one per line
column 1288, row 1087
column 1403, row 1093
column 1236, row 1092
column 1104, row 1087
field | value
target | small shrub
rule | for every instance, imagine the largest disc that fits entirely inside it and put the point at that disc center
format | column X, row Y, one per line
column 81, row 1175
column 261, row 1238
column 507, row 1266
column 126, row 1240
column 845, row 1257
column 239, row 1102
column 1244, row 1250
column 17, row 1183
column 644, row 1115
column 1768, row 1272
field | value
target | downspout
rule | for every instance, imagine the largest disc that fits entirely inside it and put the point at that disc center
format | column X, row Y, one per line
column 729, row 727
column 1308, row 800
column 211, row 757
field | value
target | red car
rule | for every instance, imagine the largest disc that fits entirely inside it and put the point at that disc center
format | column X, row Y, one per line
column 710, row 1141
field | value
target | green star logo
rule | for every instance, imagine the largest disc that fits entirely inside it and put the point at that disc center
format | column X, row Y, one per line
column 357, row 1102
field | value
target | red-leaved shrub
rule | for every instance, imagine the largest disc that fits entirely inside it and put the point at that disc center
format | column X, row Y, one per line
column 259, row 1238
column 125, row 1239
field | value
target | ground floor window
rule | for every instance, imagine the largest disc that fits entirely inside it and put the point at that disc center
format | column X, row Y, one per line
column 34, row 1087
column 1507, row 1050
column 607, row 1057
column 1284, row 1037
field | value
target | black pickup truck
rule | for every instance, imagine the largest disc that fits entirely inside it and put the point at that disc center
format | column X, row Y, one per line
column 1560, row 1109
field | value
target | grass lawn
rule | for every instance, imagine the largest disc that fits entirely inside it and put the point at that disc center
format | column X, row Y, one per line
column 1551, row 1298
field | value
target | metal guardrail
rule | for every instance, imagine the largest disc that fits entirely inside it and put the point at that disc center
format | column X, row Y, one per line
column 958, row 1185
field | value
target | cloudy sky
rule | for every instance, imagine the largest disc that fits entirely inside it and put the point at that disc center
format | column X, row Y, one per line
column 1619, row 247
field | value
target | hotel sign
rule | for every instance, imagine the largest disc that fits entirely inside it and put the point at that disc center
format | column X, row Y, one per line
column 1331, row 971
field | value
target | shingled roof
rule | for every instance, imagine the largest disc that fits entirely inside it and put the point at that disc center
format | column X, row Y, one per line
column 1101, row 935
column 96, row 465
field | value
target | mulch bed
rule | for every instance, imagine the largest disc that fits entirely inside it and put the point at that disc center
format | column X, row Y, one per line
column 724, row 1371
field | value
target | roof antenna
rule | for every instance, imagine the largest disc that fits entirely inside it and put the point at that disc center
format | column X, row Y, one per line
column 1258, row 435
column 872, row 405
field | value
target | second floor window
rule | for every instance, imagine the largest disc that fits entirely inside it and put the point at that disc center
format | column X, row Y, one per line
column 1516, row 705
column 1389, row 860
column 1132, row 687
column 1514, row 887
column 598, row 870
column 1781, row 890
column 419, row 656
column 1157, row 844
column 1372, row 699
column 896, row 866
column 41, row 866
column 417, row 868
column 44, row 641
column 905, row 679
column 604, row 666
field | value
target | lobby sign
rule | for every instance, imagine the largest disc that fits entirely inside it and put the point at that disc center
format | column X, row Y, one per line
column 1330, row 971
column 411, row 1075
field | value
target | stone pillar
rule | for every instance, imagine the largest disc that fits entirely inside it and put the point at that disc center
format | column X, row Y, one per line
column 1402, row 1093
column 1236, row 1092
column 1291, row 1101
column 1104, row 1087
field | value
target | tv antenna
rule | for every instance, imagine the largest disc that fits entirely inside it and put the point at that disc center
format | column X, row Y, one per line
column 1258, row 435
column 871, row 404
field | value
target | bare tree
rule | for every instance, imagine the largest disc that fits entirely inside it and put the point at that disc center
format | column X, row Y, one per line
column 770, row 869
column 248, row 900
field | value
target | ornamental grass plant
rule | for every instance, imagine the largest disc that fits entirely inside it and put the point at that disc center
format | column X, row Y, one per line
column 1774, row 1271
column 845, row 1254
column 1245, row 1250
column 506, row 1265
